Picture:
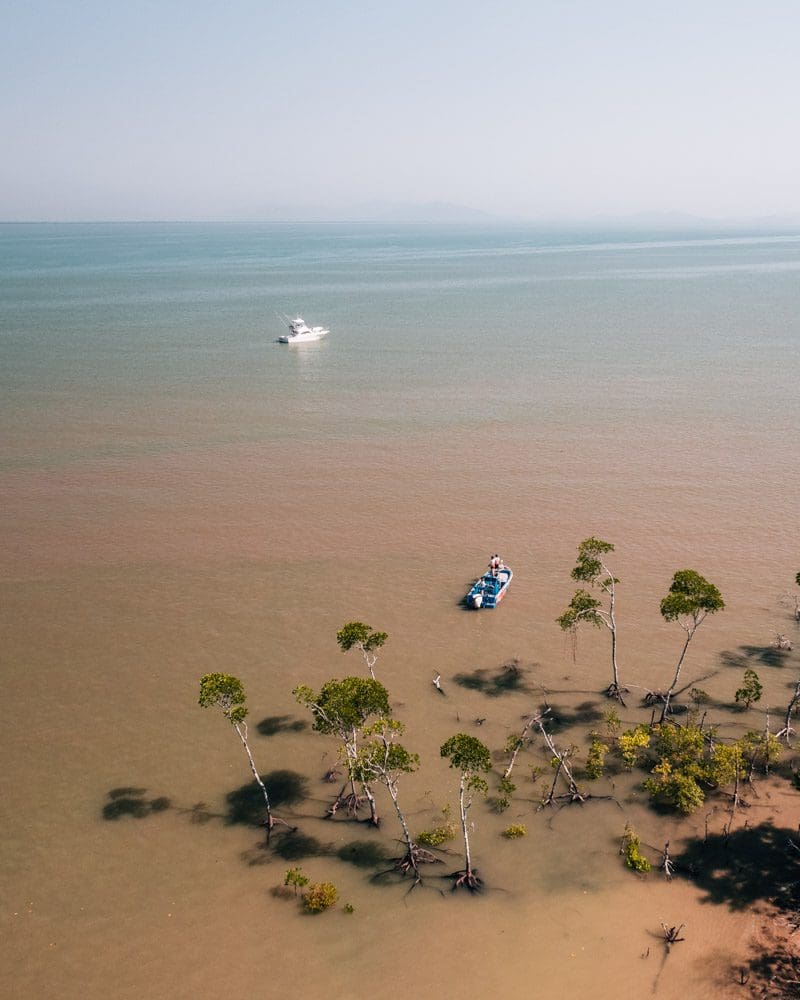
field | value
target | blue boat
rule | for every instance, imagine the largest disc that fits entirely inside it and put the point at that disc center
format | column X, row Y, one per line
column 490, row 589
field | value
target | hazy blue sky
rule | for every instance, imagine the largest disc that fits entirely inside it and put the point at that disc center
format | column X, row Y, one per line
column 195, row 109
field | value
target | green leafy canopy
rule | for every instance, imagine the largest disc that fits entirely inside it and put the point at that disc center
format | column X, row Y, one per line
column 361, row 635
column 589, row 564
column 225, row 692
column 751, row 690
column 690, row 596
column 382, row 754
column 344, row 705
column 377, row 759
column 582, row 608
column 468, row 755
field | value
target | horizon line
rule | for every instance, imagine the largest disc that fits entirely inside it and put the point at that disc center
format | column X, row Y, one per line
column 638, row 219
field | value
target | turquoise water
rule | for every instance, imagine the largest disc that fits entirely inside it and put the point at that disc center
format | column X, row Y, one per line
column 431, row 327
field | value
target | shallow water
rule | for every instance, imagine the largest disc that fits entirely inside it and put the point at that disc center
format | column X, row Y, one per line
column 182, row 495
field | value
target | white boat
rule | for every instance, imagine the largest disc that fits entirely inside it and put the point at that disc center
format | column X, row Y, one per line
column 300, row 332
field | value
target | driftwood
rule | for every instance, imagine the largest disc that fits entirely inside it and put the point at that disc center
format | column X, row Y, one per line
column 672, row 934
column 667, row 865
column 523, row 739
column 655, row 696
column 563, row 769
column 787, row 730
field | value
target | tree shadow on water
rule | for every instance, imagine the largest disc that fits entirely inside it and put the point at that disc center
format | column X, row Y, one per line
column 508, row 678
column 132, row 802
column 755, row 863
column 748, row 656
column 288, row 845
column 275, row 724
column 579, row 715
column 364, row 854
column 245, row 805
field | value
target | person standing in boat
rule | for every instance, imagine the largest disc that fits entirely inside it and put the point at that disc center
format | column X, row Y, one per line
column 494, row 564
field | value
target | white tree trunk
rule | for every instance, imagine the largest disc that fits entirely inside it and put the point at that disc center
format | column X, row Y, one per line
column 464, row 806
column 241, row 729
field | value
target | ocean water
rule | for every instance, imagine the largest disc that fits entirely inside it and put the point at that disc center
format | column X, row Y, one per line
column 431, row 327
column 181, row 493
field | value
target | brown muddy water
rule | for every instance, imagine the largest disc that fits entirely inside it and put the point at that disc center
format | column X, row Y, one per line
column 145, row 544
column 248, row 561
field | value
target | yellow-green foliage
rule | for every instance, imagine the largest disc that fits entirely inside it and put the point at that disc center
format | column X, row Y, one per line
column 725, row 763
column 437, row 836
column 632, row 743
column 691, row 761
column 296, row 878
column 515, row 830
column 675, row 788
column 681, row 767
column 762, row 748
column 319, row 896
column 507, row 786
column 612, row 722
column 631, row 849
column 682, row 746
column 596, row 758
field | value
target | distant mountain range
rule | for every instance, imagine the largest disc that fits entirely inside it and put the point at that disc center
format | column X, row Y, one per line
column 432, row 211
column 445, row 211
column 685, row 220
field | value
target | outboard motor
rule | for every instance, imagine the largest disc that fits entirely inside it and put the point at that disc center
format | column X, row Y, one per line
column 477, row 600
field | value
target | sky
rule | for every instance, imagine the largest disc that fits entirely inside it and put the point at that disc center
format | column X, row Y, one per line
column 545, row 109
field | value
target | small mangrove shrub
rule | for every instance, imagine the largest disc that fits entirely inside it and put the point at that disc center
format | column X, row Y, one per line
column 515, row 831
column 348, row 908
column 690, row 762
column 319, row 896
column 536, row 772
column 675, row 788
column 763, row 749
column 502, row 801
column 682, row 766
column 295, row 878
column 632, row 851
column 612, row 721
column 507, row 786
column 439, row 834
column 632, row 744
column 751, row 690
column 596, row 757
